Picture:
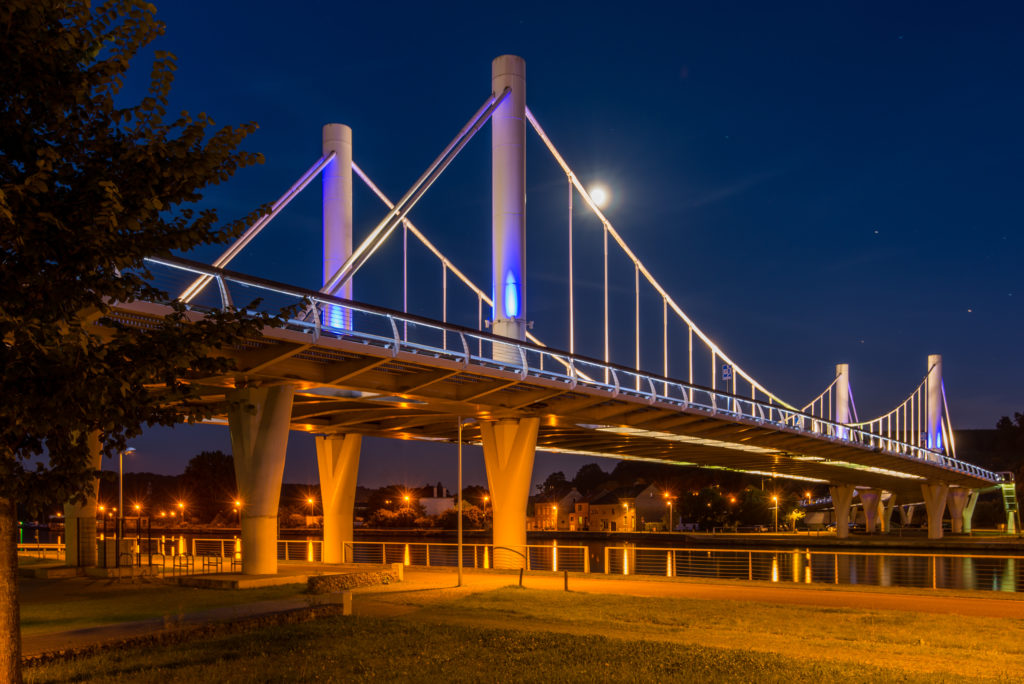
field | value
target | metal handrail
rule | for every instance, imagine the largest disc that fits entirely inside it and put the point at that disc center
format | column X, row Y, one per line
column 683, row 395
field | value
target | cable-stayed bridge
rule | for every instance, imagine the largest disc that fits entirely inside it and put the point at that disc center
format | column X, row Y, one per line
column 344, row 367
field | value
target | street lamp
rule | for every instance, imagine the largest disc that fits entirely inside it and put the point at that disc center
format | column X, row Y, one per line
column 238, row 510
column 554, row 514
column 309, row 500
column 181, row 507
column 120, row 486
column 776, row 500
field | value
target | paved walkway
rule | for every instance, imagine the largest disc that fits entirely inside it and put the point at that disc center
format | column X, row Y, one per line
column 423, row 587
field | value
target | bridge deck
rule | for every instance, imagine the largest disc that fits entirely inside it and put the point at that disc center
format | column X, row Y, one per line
column 355, row 382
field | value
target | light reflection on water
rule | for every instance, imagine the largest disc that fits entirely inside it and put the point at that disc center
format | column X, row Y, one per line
column 806, row 566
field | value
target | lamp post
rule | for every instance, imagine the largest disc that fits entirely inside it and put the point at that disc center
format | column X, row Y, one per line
column 775, row 499
column 668, row 500
column 120, row 487
column 238, row 511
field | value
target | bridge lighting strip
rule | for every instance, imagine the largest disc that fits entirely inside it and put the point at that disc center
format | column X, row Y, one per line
column 671, row 437
column 231, row 252
column 701, row 441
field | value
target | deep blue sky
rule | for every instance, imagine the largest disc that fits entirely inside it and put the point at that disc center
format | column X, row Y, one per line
column 813, row 182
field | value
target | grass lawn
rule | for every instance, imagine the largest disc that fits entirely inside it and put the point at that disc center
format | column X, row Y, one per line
column 532, row 635
column 369, row 649
column 948, row 646
column 62, row 605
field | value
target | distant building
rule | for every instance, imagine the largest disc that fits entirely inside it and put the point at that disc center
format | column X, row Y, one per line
column 554, row 512
column 435, row 499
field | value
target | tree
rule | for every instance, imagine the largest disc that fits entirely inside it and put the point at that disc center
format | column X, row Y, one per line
column 89, row 187
column 209, row 479
column 554, row 483
column 589, row 478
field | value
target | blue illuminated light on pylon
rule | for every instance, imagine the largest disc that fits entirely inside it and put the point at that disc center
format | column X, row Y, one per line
column 511, row 296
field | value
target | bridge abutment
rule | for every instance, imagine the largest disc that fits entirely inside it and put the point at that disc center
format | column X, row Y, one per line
column 935, row 506
column 842, row 496
column 259, row 421
column 80, row 519
column 337, row 458
column 509, row 448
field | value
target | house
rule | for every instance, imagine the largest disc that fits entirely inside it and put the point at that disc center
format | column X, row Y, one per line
column 613, row 510
column 651, row 507
column 553, row 512
column 435, row 499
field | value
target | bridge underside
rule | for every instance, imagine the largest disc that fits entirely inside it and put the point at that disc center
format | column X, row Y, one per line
column 348, row 386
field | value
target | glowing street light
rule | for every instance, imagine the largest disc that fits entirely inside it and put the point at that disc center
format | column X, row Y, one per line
column 775, row 499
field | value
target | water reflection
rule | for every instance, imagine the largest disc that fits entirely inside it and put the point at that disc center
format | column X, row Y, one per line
column 806, row 566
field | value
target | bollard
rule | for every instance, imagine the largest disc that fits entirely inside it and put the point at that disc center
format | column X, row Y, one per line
column 520, row 578
column 487, row 562
column 566, row 580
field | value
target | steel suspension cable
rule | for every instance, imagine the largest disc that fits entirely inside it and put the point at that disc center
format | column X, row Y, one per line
column 716, row 351
column 383, row 229
column 197, row 286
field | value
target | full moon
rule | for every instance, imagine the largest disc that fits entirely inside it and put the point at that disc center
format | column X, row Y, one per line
column 599, row 195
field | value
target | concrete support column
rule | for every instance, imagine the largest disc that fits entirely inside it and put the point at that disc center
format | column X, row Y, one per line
column 508, row 203
column 80, row 518
column 843, row 414
column 933, row 405
column 337, row 215
column 509, row 447
column 337, row 457
column 957, row 502
column 259, row 420
column 886, row 512
column 935, row 506
column 842, row 495
column 972, row 501
column 872, row 500
column 907, row 514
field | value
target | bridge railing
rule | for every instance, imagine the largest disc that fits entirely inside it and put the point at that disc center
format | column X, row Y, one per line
column 806, row 566
column 552, row 557
column 324, row 316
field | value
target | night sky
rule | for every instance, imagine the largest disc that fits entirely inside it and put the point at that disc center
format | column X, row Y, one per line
column 813, row 182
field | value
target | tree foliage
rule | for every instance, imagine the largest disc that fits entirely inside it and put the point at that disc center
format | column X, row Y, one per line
column 90, row 186
column 209, row 479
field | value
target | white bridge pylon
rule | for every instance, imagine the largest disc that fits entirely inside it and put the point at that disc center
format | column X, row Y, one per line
column 918, row 428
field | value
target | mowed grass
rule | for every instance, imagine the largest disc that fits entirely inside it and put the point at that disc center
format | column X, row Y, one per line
column 533, row 635
column 63, row 605
column 945, row 645
column 372, row 649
